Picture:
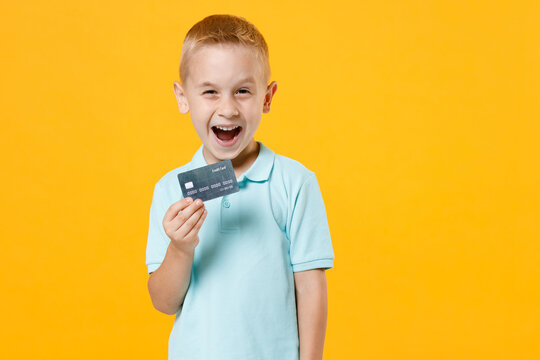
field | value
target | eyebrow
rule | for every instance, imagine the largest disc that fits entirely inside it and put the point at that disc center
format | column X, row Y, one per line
column 243, row 81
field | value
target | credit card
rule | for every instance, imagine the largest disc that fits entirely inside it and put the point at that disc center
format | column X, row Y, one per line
column 209, row 182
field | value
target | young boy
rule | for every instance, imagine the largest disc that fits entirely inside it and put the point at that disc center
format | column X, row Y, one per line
column 244, row 273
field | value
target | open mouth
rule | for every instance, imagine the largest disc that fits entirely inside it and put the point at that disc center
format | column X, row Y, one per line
column 226, row 135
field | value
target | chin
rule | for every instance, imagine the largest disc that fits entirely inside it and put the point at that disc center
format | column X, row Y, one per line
column 221, row 155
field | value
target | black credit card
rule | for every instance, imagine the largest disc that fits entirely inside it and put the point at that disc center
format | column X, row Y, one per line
column 209, row 182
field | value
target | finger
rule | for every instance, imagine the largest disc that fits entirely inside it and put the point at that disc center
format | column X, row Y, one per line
column 195, row 230
column 186, row 227
column 185, row 214
column 177, row 207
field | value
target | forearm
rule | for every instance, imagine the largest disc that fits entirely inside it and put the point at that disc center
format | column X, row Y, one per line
column 312, row 310
column 169, row 283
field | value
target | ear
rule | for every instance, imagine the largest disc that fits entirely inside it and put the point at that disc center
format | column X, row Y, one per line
column 181, row 98
column 270, row 91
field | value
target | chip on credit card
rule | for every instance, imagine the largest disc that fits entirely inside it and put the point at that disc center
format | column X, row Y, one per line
column 209, row 182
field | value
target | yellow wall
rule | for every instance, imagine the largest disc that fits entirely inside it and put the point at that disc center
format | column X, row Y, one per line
column 419, row 118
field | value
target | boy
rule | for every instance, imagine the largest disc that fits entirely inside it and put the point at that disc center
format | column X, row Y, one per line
column 244, row 273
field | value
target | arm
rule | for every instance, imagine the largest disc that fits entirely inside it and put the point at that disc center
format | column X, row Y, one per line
column 312, row 310
column 169, row 283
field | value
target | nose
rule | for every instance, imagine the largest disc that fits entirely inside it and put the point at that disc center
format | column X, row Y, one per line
column 227, row 108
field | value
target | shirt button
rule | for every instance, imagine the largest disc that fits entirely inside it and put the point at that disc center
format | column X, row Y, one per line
column 226, row 204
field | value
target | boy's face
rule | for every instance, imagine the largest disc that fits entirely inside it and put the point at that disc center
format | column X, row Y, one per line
column 226, row 95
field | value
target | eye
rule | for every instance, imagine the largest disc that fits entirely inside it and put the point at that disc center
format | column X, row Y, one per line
column 209, row 92
column 243, row 91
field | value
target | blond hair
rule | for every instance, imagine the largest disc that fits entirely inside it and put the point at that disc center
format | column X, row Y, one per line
column 224, row 29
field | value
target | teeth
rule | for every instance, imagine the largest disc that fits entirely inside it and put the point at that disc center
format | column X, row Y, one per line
column 227, row 128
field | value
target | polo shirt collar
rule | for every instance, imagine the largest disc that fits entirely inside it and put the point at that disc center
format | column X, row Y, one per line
column 258, row 171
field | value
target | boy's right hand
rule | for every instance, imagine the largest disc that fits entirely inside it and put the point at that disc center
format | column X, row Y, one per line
column 182, row 222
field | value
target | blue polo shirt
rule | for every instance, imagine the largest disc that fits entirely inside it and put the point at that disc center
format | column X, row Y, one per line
column 241, row 302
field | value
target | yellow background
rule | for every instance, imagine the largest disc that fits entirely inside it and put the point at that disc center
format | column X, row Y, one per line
column 419, row 118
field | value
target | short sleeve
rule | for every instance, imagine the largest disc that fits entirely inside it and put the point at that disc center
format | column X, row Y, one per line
column 308, row 231
column 158, row 241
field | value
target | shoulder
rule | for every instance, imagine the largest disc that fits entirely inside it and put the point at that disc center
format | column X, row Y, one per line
column 289, row 179
column 291, row 172
column 168, row 187
column 286, row 184
column 171, row 176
